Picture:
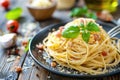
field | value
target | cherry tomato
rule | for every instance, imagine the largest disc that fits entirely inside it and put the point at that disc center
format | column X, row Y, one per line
column 12, row 26
column 5, row 3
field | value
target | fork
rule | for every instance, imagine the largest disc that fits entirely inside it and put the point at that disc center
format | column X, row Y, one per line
column 114, row 31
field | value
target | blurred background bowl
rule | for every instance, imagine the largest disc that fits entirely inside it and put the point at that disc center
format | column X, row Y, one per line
column 41, row 13
column 65, row 4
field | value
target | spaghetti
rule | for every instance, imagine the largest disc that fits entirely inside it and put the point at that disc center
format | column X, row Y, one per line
column 94, row 57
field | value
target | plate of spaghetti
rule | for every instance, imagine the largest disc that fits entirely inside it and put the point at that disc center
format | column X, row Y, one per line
column 79, row 48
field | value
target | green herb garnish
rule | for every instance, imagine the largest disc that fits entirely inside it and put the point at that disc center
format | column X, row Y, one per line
column 86, row 36
column 91, row 26
column 74, row 31
column 71, row 32
column 27, row 46
column 14, row 13
column 83, row 12
column 91, row 15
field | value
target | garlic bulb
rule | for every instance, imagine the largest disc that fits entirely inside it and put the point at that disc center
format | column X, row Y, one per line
column 8, row 40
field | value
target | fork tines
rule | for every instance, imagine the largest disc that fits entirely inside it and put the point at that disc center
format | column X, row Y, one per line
column 114, row 31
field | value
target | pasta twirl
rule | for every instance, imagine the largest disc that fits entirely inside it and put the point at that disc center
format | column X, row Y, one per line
column 93, row 57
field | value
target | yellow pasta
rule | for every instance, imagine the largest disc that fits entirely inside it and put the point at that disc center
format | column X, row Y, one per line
column 93, row 57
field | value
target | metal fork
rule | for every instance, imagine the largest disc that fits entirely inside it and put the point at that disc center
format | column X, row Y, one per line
column 114, row 31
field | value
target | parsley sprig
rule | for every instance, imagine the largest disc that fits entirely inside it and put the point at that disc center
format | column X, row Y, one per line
column 74, row 31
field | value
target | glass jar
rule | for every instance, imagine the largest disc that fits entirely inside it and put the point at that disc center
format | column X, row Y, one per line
column 99, row 5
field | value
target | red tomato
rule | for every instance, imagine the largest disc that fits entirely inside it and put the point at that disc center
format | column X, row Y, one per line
column 12, row 26
column 5, row 3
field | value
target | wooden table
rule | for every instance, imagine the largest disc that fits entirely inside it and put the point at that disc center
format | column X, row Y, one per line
column 29, row 70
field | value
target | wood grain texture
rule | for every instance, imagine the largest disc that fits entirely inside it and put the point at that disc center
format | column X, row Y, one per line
column 31, row 71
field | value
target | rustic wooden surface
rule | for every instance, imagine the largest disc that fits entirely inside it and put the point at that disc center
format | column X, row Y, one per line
column 30, row 70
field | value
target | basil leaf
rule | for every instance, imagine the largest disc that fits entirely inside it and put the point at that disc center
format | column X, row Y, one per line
column 71, row 32
column 76, row 12
column 14, row 13
column 82, row 25
column 86, row 36
column 84, row 10
column 91, row 15
column 91, row 26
